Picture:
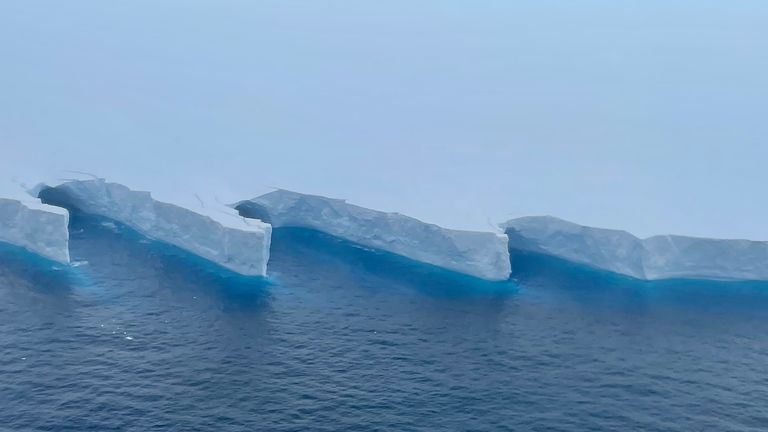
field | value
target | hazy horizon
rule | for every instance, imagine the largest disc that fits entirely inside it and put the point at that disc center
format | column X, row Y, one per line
column 642, row 116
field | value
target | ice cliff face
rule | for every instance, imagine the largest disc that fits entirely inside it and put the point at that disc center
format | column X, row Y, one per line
column 658, row 257
column 210, row 230
column 27, row 223
column 480, row 254
column 241, row 243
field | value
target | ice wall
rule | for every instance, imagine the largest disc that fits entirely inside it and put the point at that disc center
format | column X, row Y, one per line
column 208, row 229
column 658, row 257
column 28, row 223
column 480, row 254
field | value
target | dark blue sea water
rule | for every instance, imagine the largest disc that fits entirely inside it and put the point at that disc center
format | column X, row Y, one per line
column 140, row 337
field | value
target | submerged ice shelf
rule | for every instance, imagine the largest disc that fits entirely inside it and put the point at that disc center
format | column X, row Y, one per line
column 480, row 254
column 205, row 228
column 27, row 223
column 653, row 258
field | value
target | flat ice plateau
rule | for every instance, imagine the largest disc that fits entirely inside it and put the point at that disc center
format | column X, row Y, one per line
column 653, row 258
column 205, row 228
column 28, row 223
column 480, row 254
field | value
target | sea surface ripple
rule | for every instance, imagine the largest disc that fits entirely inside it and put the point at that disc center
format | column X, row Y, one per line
column 140, row 337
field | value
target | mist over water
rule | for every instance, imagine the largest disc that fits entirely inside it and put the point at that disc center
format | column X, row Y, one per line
column 142, row 337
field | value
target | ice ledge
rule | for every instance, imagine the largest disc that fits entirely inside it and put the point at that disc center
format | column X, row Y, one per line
column 653, row 258
column 203, row 227
column 479, row 254
column 28, row 223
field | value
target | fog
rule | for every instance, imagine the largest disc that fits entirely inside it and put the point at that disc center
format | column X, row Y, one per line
column 646, row 116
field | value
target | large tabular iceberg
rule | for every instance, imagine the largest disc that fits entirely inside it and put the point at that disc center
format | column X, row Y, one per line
column 480, row 254
column 208, row 229
column 28, row 223
column 658, row 257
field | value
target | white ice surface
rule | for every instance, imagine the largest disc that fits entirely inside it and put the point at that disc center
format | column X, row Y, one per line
column 652, row 258
column 480, row 254
column 28, row 223
column 198, row 224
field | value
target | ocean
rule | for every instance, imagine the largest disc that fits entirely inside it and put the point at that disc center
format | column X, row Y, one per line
column 138, row 336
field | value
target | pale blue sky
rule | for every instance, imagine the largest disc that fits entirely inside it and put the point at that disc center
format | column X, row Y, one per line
column 643, row 115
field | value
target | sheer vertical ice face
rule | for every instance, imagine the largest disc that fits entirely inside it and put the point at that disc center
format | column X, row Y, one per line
column 480, row 254
column 27, row 223
column 210, row 230
column 658, row 257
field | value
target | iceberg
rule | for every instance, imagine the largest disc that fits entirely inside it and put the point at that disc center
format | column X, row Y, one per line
column 652, row 258
column 205, row 228
column 480, row 254
column 27, row 223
